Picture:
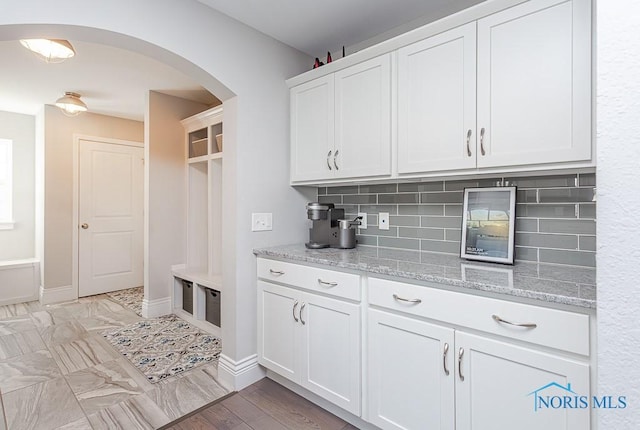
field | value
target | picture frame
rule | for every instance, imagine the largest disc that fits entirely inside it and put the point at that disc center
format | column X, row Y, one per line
column 488, row 224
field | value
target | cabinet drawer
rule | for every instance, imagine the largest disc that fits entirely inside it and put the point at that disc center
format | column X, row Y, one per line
column 563, row 330
column 338, row 284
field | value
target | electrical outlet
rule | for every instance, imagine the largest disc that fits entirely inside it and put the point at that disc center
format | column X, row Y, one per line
column 261, row 222
column 363, row 221
column 383, row 220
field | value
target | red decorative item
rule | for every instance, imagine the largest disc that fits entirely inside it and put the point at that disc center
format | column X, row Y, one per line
column 318, row 63
column 329, row 57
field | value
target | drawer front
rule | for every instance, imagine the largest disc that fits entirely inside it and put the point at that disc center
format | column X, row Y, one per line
column 338, row 284
column 554, row 328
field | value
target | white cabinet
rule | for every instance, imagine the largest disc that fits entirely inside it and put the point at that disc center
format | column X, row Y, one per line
column 312, row 340
column 430, row 375
column 533, row 95
column 534, row 84
column 500, row 383
column 341, row 124
column 410, row 382
column 437, row 102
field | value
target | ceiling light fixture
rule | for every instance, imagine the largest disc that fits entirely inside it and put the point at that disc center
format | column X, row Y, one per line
column 50, row 50
column 71, row 104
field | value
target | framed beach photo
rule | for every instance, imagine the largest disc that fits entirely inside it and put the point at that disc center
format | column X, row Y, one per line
column 488, row 224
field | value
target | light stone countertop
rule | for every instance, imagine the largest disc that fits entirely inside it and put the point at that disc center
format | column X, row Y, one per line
column 550, row 283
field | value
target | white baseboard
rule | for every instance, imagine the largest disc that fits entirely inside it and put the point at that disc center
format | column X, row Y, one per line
column 236, row 375
column 19, row 281
column 57, row 295
column 156, row 308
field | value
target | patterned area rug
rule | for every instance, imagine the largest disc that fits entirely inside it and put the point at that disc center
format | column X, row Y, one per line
column 130, row 298
column 165, row 346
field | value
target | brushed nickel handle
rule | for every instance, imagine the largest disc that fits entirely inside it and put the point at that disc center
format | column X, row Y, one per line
column 301, row 309
column 295, row 305
column 525, row 325
column 329, row 284
column 460, row 354
column 482, row 141
column 85, row 226
column 276, row 272
column 468, row 140
column 334, row 159
column 400, row 299
column 329, row 156
column 444, row 358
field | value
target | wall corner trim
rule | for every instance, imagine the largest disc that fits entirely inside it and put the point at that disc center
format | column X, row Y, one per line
column 156, row 308
column 236, row 375
column 49, row 296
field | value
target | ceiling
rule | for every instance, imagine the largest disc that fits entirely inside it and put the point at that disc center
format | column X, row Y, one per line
column 317, row 26
column 114, row 81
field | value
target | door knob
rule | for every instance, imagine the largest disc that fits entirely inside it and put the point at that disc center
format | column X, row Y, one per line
column 85, row 226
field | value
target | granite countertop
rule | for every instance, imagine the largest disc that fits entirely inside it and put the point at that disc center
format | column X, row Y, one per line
column 551, row 283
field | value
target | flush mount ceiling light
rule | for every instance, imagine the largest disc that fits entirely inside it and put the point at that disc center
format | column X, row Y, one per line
column 50, row 50
column 71, row 104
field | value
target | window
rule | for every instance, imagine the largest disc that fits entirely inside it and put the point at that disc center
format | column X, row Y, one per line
column 6, row 184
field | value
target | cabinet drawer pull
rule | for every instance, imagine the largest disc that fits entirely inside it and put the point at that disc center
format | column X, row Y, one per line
column 334, row 159
column 482, row 141
column 525, row 325
column 400, row 299
column 295, row 305
column 460, row 354
column 444, row 358
column 328, row 163
column 301, row 309
column 468, row 140
column 276, row 272
column 328, row 284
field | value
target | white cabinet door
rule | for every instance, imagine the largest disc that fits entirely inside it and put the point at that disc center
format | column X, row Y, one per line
column 331, row 350
column 312, row 130
column 437, row 102
column 499, row 390
column 363, row 119
column 534, row 84
column 408, row 385
column 278, row 331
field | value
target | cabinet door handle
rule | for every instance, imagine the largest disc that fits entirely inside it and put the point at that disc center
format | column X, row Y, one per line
column 301, row 309
column 460, row 354
column 525, row 325
column 328, row 163
column 276, row 272
column 295, row 305
column 482, row 141
column 334, row 159
column 400, row 299
column 468, row 140
column 444, row 359
column 328, row 284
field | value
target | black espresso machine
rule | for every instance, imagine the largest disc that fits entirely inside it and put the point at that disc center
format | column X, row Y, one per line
column 329, row 228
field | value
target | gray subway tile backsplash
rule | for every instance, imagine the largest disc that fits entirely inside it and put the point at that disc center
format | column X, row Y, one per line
column 555, row 215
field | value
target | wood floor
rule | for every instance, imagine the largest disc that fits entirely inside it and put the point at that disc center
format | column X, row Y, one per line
column 264, row 405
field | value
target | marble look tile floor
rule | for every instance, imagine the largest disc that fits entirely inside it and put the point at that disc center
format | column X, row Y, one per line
column 58, row 372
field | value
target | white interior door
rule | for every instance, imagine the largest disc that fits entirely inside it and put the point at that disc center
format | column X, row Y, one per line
column 110, row 217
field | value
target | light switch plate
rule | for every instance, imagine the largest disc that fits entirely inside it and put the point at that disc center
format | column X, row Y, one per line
column 363, row 221
column 383, row 221
column 261, row 221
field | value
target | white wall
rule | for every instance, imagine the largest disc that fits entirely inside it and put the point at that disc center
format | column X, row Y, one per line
column 19, row 243
column 165, row 196
column 229, row 59
column 618, row 211
column 58, row 182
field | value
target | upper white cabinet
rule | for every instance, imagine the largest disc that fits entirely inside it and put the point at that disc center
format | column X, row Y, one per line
column 533, row 96
column 341, row 124
column 437, row 102
column 534, row 84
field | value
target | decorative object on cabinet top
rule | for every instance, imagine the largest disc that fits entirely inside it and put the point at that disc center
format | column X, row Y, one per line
column 566, row 285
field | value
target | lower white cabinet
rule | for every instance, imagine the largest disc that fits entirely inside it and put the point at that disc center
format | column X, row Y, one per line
column 312, row 340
